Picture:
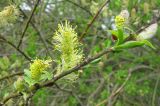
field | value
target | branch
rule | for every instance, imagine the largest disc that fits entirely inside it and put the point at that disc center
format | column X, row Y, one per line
column 28, row 21
column 80, row 7
column 76, row 68
column 114, row 93
column 11, row 44
column 11, row 75
column 14, row 95
column 93, row 19
column 52, row 82
column 39, row 33
column 157, row 19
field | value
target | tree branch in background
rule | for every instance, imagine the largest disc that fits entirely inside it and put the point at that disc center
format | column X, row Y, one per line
column 27, row 24
column 79, row 7
column 52, row 82
column 93, row 19
column 12, row 75
column 118, row 90
column 11, row 44
column 39, row 33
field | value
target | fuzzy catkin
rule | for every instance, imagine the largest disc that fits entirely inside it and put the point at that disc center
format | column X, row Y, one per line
column 37, row 68
column 66, row 42
column 8, row 15
column 121, row 19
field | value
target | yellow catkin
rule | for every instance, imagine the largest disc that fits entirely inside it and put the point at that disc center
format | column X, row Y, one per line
column 8, row 15
column 119, row 21
column 66, row 42
column 37, row 68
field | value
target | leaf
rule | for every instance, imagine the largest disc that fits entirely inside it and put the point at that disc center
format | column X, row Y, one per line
column 146, row 42
column 27, row 79
column 132, row 44
column 129, row 44
column 48, row 75
column 27, row 72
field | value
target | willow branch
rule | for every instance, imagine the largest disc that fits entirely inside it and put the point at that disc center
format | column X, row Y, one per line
column 14, row 46
column 113, row 94
column 117, row 91
column 93, row 19
column 11, row 75
column 14, row 95
column 52, row 82
column 39, row 33
column 80, row 7
column 28, row 21
column 76, row 68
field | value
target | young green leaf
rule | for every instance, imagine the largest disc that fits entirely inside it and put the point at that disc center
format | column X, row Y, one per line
column 129, row 44
column 132, row 44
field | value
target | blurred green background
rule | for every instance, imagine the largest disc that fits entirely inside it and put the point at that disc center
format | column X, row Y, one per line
column 102, row 76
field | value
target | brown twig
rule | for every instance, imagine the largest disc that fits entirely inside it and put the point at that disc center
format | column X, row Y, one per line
column 117, row 91
column 93, row 19
column 74, row 69
column 80, row 7
column 14, row 95
column 27, row 24
column 38, row 32
column 14, row 46
column 114, row 93
column 152, row 22
column 11, row 75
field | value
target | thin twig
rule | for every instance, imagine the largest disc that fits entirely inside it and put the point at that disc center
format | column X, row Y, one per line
column 93, row 19
column 76, row 68
column 14, row 95
column 27, row 24
column 155, row 90
column 11, row 75
column 80, row 7
column 14, row 46
column 113, row 94
column 152, row 22
column 39, row 33
column 52, row 82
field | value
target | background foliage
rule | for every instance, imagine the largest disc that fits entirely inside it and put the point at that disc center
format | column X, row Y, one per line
column 102, row 76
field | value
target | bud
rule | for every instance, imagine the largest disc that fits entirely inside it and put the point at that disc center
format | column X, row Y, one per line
column 133, row 13
column 146, row 8
column 19, row 84
column 125, row 3
column 8, row 15
column 125, row 14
